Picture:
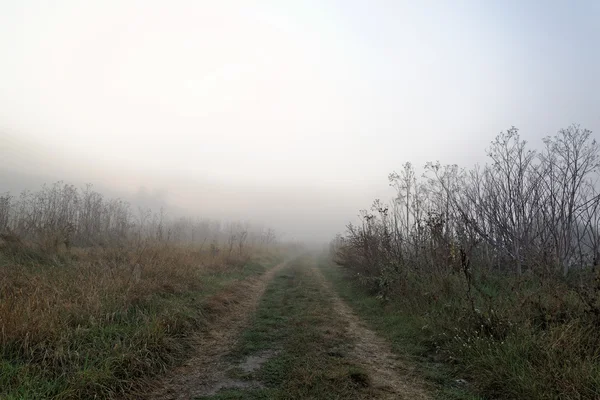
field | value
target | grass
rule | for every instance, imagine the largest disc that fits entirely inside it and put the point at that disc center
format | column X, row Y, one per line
column 501, row 353
column 98, row 323
column 409, row 333
column 296, row 325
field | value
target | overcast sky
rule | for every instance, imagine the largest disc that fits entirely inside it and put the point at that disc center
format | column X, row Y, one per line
column 286, row 112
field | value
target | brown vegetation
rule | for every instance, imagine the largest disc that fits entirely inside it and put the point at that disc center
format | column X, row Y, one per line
column 92, row 303
column 499, row 263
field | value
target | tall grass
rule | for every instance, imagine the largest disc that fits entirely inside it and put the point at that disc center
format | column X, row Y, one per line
column 539, row 344
column 95, row 321
column 111, row 302
column 512, row 338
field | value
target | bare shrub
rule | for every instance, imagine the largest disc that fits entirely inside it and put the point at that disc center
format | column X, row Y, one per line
column 504, row 254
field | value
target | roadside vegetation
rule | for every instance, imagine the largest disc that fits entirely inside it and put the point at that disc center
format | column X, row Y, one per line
column 96, row 299
column 406, row 330
column 490, row 275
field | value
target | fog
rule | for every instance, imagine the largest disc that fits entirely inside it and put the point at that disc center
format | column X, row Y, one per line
column 285, row 113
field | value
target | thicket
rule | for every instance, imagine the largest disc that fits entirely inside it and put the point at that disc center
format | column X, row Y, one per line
column 498, row 262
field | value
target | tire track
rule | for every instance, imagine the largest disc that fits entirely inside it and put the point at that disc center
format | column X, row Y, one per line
column 392, row 377
column 205, row 372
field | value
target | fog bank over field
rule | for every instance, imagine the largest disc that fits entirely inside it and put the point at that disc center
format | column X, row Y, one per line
column 296, row 211
column 287, row 114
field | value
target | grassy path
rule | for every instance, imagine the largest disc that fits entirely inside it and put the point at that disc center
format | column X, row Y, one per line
column 404, row 334
column 204, row 371
column 305, row 343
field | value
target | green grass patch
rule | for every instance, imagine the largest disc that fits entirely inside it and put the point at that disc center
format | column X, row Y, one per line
column 410, row 334
column 296, row 324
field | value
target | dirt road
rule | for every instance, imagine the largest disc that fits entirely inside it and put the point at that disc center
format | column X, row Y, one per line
column 204, row 372
column 290, row 336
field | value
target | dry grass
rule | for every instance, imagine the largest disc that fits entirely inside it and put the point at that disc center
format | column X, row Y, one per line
column 206, row 369
column 92, row 321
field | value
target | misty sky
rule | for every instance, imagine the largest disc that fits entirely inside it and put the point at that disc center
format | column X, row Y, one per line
column 286, row 112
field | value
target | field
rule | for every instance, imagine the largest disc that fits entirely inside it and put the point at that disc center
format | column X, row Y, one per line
column 103, row 322
column 171, row 322
column 481, row 283
column 338, row 200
